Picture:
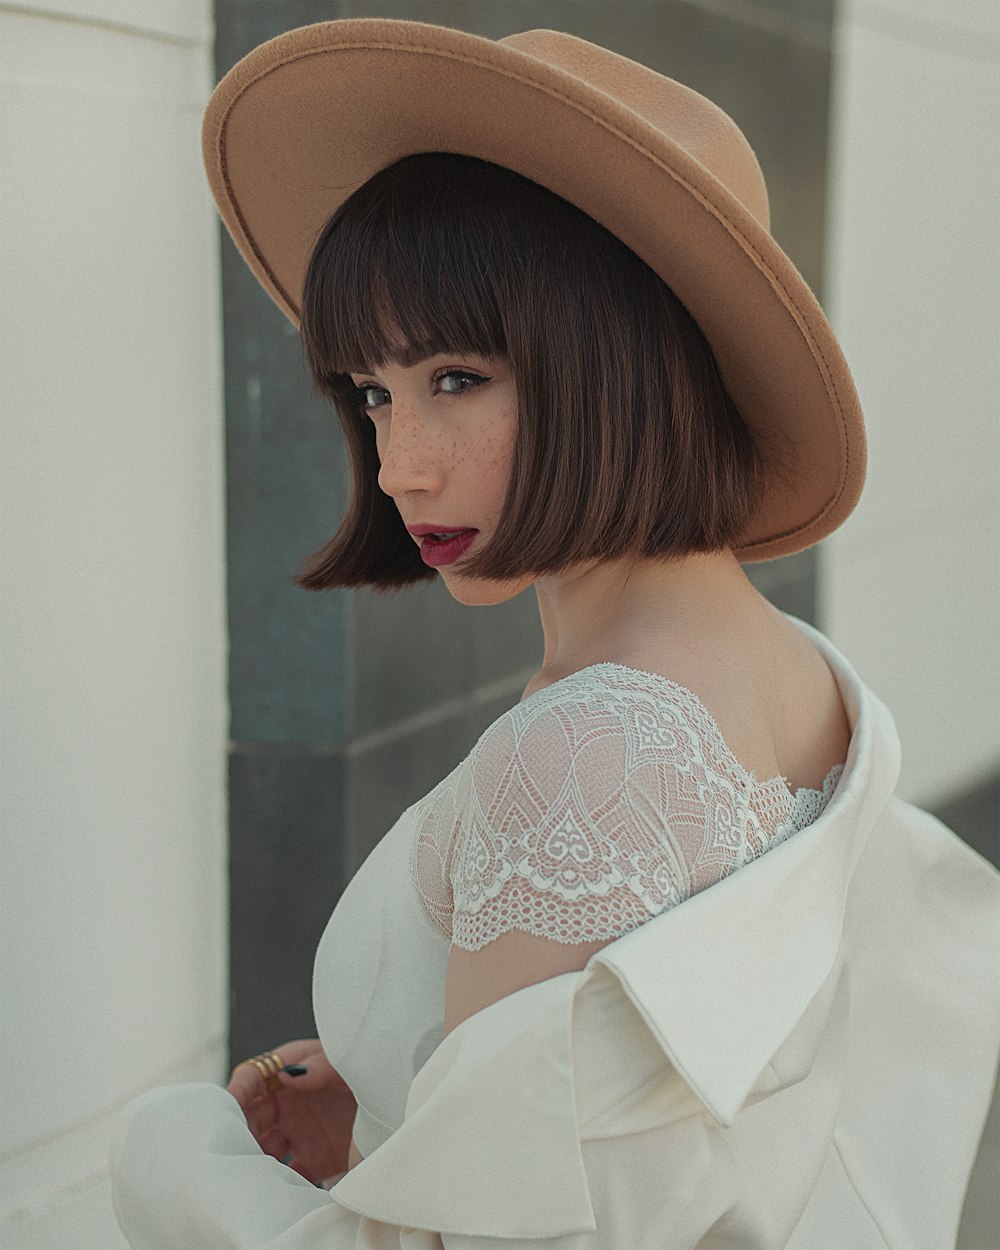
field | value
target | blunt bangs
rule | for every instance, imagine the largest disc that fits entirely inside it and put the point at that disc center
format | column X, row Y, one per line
column 627, row 442
column 398, row 275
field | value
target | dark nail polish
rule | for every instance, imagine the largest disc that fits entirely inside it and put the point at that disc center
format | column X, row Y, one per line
column 295, row 1069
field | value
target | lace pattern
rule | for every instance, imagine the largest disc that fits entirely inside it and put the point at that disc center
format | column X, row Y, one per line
column 590, row 807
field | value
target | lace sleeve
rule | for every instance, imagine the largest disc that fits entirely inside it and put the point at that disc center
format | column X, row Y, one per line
column 584, row 817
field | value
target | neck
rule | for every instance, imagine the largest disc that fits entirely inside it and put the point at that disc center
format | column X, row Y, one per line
column 606, row 610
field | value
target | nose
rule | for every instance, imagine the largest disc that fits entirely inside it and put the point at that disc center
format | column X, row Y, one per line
column 409, row 461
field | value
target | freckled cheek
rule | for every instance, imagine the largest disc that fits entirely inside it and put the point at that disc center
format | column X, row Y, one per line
column 491, row 475
column 489, row 463
column 490, row 454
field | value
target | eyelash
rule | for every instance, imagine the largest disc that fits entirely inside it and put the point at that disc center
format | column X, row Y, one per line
column 361, row 391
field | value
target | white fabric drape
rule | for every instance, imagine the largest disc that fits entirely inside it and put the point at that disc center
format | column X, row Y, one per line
column 801, row 1055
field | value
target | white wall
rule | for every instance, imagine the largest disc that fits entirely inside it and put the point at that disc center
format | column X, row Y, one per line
column 911, row 584
column 112, row 621
column 112, row 626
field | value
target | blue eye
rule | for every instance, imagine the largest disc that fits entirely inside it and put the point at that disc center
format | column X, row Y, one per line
column 474, row 378
column 361, row 396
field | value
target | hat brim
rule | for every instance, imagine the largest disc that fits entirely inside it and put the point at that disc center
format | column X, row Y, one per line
column 307, row 118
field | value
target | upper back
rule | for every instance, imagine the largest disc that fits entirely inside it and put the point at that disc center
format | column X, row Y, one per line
column 771, row 693
column 777, row 704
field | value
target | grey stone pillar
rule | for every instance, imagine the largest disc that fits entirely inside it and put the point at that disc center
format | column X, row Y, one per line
column 346, row 707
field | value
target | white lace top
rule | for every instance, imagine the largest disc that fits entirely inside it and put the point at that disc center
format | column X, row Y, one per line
column 583, row 811
column 593, row 805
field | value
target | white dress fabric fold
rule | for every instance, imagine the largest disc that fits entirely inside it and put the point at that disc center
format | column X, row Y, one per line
column 799, row 1055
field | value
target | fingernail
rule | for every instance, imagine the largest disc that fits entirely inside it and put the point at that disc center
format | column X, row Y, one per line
column 288, row 1158
column 295, row 1069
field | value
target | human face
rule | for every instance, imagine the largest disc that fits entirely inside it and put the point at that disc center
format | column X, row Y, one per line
column 444, row 431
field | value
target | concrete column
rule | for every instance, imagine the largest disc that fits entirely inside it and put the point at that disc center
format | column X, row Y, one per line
column 112, row 618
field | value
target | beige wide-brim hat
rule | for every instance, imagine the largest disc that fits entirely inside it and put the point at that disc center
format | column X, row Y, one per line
column 304, row 120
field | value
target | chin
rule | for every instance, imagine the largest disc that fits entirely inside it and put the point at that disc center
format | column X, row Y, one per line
column 479, row 592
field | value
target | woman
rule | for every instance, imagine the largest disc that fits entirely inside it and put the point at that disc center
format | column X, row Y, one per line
column 653, row 965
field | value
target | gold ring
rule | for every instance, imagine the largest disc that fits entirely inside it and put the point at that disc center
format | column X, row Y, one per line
column 268, row 1065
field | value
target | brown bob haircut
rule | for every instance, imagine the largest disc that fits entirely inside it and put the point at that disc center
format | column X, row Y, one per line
column 627, row 443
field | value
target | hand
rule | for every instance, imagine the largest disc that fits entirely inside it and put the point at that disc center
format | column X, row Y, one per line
column 310, row 1117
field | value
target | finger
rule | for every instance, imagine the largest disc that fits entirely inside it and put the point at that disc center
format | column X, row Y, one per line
column 319, row 1073
column 300, row 1049
column 245, row 1084
column 262, row 1116
column 248, row 1084
column 276, row 1144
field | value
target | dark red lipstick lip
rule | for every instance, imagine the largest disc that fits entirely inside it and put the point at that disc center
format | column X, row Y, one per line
column 437, row 552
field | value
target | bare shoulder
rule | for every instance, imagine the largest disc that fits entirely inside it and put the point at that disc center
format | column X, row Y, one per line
column 770, row 691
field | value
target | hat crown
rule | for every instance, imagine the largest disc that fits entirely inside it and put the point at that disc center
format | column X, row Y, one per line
column 689, row 120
